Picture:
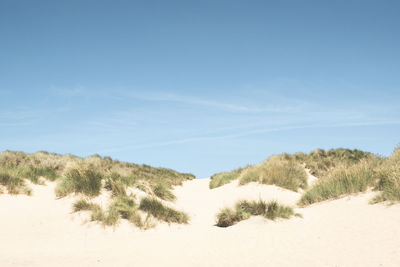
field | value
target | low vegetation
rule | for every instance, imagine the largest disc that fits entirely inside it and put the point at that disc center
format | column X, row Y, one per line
column 245, row 209
column 321, row 162
column 288, row 170
column 389, row 179
column 340, row 172
column 13, row 183
column 87, row 175
column 88, row 178
column 157, row 209
column 163, row 191
column 224, row 178
column 342, row 181
column 125, row 207
column 379, row 174
column 276, row 170
column 81, row 175
column 122, row 207
column 87, row 182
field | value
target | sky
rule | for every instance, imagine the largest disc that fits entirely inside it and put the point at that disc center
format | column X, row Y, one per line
column 199, row 86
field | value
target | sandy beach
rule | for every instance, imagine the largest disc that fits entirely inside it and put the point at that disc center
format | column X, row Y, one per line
column 41, row 230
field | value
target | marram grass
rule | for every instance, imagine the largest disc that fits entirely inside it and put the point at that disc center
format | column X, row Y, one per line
column 245, row 209
column 342, row 181
column 75, row 175
column 288, row 171
column 157, row 209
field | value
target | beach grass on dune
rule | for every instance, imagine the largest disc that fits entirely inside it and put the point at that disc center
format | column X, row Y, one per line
column 163, row 191
column 245, row 209
column 125, row 207
column 116, row 185
column 389, row 180
column 87, row 182
column 379, row 174
column 82, row 204
column 277, row 171
column 65, row 168
column 288, row 170
column 122, row 207
column 13, row 183
column 89, row 177
column 320, row 162
column 224, row 178
column 342, row 181
column 157, row 209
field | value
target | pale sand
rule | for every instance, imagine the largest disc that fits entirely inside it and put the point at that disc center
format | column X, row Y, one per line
column 42, row 231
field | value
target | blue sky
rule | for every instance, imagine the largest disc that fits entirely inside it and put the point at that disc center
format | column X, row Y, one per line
column 199, row 86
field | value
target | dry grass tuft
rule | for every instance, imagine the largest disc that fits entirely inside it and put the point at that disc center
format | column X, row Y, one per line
column 224, row 178
column 245, row 209
column 343, row 180
column 14, row 184
column 278, row 171
column 158, row 210
column 287, row 170
column 389, row 180
column 87, row 182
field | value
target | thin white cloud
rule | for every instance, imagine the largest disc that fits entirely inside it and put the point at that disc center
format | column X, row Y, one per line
column 233, row 107
column 249, row 133
column 75, row 91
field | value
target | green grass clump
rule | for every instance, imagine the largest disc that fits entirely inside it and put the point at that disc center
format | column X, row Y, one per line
column 86, row 181
column 14, row 184
column 227, row 217
column 342, row 181
column 82, row 204
column 34, row 173
column 158, row 210
column 287, row 170
column 126, row 207
column 162, row 191
column 277, row 171
column 123, row 174
column 116, row 185
column 121, row 207
column 245, row 209
column 222, row 178
column 321, row 162
column 389, row 180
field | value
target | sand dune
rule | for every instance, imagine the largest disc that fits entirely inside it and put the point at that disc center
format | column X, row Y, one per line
column 41, row 231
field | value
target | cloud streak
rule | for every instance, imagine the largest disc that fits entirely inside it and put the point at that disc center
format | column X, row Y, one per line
column 221, row 105
column 249, row 133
